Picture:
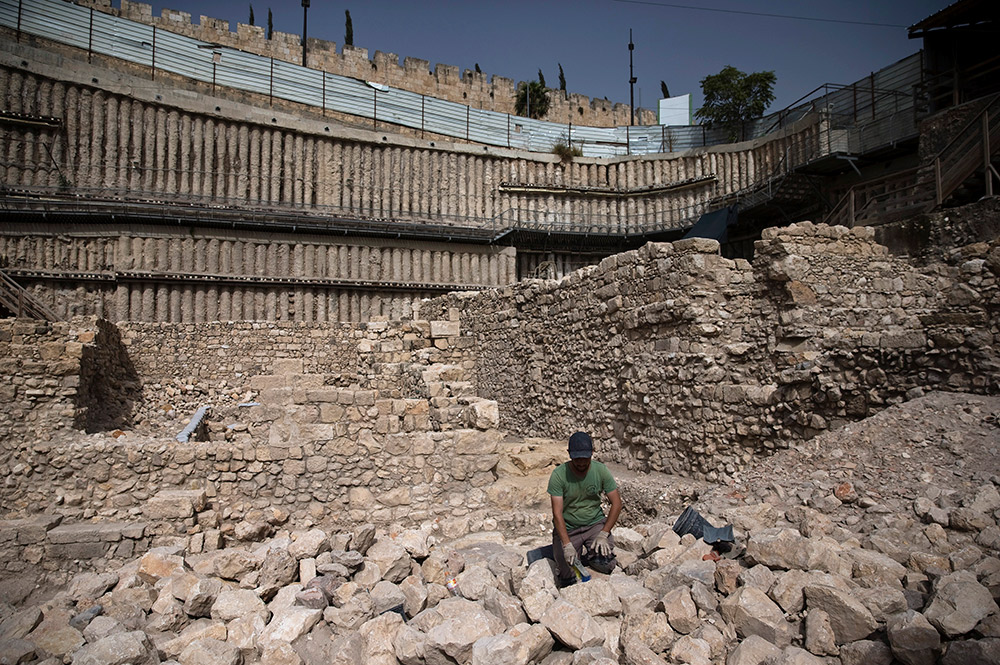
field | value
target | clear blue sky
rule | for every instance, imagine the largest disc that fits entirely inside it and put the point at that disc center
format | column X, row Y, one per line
column 590, row 38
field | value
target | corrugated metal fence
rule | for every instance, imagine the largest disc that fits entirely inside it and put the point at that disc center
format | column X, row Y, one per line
column 877, row 109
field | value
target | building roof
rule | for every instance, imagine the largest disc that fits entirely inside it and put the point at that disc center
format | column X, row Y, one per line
column 961, row 14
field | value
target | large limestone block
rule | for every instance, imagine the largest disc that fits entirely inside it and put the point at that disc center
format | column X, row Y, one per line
column 379, row 635
column 752, row 613
column 386, row 596
column 199, row 629
column 788, row 549
column 959, row 603
column 849, row 618
column 482, row 414
column 973, row 652
column 506, row 607
column 159, row 563
column 308, row 544
column 289, row 624
column 651, row 629
column 866, row 652
column 572, row 626
column 521, row 645
column 475, row 582
column 754, row 650
column 597, row 597
column 201, row 596
column 913, row 639
column 174, row 504
column 691, row 651
column 20, row 623
column 637, row 653
column 133, row 648
column 874, row 568
column 463, row 623
column 391, row 558
column 680, row 609
column 209, row 651
column 55, row 636
column 234, row 603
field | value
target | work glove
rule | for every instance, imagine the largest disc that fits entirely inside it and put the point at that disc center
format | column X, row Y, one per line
column 569, row 553
column 601, row 546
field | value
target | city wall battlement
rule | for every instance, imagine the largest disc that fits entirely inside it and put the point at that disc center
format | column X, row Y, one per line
column 447, row 82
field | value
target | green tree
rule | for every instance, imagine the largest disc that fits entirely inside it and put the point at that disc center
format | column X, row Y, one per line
column 664, row 91
column 270, row 23
column 532, row 98
column 348, row 29
column 251, row 14
column 562, row 80
column 733, row 97
column 541, row 78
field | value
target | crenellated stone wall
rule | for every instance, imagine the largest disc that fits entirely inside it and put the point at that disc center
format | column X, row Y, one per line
column 448, row 82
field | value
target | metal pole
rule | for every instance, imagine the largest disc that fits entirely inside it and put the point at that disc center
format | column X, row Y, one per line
column 305, row 15
column 986, row 153
column 90, row 36
column 422, row 99
column 19, row 4
column 631, row 78
column 324, row 93
column 152, row 67
column 270, row 88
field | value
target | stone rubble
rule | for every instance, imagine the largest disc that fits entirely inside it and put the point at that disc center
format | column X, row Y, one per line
column 813, row 586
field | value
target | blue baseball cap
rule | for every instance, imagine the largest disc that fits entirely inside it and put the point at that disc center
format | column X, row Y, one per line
column 580, row 445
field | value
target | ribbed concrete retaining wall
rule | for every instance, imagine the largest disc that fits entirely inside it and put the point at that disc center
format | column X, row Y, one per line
column 196, row 276
column 125, row 134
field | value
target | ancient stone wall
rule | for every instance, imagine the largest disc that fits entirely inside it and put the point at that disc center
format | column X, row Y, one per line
column 62, row 376
column 375, row 422
column 448, row 82
column 122, row 135
column 155, row 274
column 679, row 360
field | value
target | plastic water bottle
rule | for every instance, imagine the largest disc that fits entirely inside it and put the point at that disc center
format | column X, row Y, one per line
column 452, row 585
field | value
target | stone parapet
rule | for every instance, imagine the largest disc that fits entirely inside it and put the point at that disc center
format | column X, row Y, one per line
column 447, row 82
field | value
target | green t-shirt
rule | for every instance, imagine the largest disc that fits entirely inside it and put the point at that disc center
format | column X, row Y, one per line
column 581, row 496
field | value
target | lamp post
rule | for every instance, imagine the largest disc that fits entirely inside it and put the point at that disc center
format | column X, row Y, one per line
column 305, row 16
column 631, row 76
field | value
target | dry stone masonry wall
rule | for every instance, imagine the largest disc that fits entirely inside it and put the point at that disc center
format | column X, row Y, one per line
column 62, row 376
column 343, row 424
column 680, row 360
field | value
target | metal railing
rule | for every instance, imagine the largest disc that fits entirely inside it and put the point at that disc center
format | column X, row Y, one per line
column 19, row 302
column 882, row 93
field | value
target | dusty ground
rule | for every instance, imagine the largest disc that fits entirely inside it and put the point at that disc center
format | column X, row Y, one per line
column 939, row 444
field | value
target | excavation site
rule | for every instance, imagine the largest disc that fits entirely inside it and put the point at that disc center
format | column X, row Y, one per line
column 292, row 379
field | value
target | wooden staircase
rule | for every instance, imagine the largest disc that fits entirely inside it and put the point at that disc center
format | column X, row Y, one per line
column 929, row 186
column 19, row 302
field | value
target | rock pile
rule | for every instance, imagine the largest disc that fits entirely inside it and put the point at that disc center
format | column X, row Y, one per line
column 805, row 590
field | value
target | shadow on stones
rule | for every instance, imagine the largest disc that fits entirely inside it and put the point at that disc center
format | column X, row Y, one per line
column 109, row 384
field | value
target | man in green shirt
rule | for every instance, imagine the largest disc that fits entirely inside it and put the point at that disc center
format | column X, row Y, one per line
column 575, row 489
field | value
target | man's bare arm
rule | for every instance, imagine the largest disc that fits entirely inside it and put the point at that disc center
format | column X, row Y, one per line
column 558, row 520
column 616, row 508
